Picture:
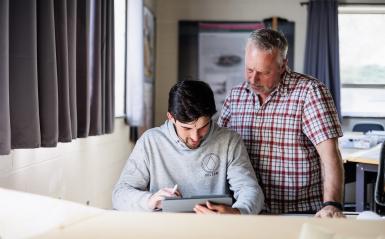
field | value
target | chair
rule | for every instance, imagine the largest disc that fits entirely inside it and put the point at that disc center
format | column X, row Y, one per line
column 367, row 126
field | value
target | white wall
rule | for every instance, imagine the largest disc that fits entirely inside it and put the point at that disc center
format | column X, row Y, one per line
column 84, row 170
column 169, row 12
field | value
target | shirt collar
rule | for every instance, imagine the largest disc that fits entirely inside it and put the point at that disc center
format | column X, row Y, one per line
column 287, row 83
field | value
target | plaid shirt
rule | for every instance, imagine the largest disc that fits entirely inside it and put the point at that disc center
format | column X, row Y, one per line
column 280, row 136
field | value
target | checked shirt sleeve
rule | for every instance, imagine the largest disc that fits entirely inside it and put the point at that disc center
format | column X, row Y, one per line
column 224, row 118
column 320, row 118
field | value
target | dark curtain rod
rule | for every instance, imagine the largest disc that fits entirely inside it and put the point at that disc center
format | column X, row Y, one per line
column 353, row 3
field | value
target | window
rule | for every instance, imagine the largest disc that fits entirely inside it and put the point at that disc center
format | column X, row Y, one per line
column 362, row 64
column 129, row 61
column 120, row 38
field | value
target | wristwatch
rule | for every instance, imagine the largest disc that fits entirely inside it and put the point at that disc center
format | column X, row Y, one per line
column 333, row 203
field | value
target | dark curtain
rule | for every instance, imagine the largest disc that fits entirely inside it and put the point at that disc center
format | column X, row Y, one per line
column 322, row 46
column 56, row 71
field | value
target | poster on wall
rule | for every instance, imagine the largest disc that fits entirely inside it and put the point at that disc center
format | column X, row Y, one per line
column 221, row 56
column 149, row 68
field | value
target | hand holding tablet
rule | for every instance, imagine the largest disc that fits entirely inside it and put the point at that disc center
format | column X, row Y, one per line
column 187, row 204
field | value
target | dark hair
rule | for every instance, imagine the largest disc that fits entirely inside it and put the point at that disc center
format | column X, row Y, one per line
column 190, row 99
column 269, row 39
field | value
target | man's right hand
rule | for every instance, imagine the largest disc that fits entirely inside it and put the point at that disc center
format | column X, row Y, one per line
column 155, row 201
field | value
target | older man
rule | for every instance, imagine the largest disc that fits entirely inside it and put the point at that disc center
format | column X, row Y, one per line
column 290, row 127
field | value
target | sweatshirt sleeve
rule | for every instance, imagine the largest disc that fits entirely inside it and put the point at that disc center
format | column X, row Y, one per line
column 130, row 192
column 242, row 179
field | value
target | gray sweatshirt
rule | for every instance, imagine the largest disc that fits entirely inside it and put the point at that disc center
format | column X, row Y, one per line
column 160, row 159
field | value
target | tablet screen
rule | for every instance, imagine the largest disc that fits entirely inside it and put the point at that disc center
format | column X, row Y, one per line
column 187, row 204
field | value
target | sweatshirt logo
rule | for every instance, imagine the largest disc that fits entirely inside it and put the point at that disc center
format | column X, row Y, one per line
column 210, row 164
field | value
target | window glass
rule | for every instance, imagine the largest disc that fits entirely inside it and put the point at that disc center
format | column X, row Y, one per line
column 362, row 65
column 120, row 25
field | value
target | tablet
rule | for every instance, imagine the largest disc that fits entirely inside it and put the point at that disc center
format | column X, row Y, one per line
column 172, row 204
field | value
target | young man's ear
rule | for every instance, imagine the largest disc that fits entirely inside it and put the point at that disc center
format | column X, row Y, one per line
column 169, row 116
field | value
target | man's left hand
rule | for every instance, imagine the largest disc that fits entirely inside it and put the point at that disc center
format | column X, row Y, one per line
column 330, row 211
column 211, row 208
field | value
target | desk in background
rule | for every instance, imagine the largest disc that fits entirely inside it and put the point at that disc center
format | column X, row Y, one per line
column 366, row 162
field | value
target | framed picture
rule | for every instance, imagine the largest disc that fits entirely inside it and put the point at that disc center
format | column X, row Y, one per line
column 221, row 56
column 214, row 52
column 149, row 68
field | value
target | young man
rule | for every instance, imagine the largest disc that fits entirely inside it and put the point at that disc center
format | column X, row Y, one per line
column 193, row 152
column 290, row 127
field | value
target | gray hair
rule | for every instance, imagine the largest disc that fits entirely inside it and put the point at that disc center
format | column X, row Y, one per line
column 268, row 40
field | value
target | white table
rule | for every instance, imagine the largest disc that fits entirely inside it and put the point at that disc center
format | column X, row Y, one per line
column 25, row 215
